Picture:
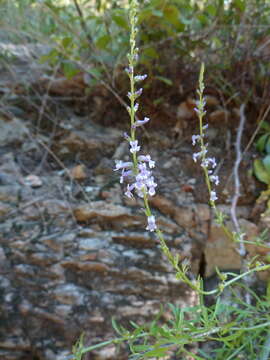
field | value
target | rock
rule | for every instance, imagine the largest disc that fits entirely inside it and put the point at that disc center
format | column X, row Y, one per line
column 69, row 294
column 222, row 253
column 9, row 171
column 33, row 181
column 91, row 244
column 12, row 132
column 78, row 173
column 92, row 143
column 184, row 216
column 88, row 266
column 99, row 209
column 219, row 116
column 9, row 193
column 4, row 209
column 108, row 214
column 186, row 109
column 211, row 100
column 135, row 240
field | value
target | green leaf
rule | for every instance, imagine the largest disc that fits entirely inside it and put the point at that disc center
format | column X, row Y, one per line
column 66, row 41
column 150, row 52
column 266, row 163
column 267, row 145
column 103, row 41
column 165, row 80
column 203, row 19
column 120, row 19
column 211, row 10
column 260, row 144
column 118, row 328
column 96, row 73
column 171, row 14
column 240, row 4
column 70, row 70
column 160, row 352
column 265, row 125
column 216, row 43
column 260, row 171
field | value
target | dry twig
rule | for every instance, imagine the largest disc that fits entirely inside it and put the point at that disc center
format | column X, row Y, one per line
column 242, row 250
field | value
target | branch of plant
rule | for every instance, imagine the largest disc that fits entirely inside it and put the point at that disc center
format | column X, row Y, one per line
column 242, row 250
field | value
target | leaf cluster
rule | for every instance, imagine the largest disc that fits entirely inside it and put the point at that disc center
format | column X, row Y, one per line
column 234, row 330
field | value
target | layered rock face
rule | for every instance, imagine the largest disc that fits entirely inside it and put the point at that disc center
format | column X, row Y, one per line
column 74, row 252
column 68, row 267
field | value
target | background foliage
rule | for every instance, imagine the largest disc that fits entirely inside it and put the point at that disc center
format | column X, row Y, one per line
column 231, row 36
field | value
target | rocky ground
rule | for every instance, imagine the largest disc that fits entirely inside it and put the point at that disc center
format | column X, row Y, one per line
column 74, row 251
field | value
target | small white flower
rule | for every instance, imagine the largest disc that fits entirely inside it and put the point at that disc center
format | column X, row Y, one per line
column 151, row 223
column 213, row 196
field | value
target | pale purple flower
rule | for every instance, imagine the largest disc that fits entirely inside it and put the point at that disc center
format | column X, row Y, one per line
column 140, row 77
column 136, row 107
column 209, row 162
column 129, row 70
column 214, row 179
column 200, row 111
column 140, row 122
column 119, row 164
column 195, row 156
column 124, row 174
column 126, row 136
column 213, row 196
column 128, row 192
column 151, row 186
column 144, row 173
column 139, row 92
column 134, row 147
column 147, row 158
column 213, row 162
column 199, row 154
column 195, row 138
column 151, row 223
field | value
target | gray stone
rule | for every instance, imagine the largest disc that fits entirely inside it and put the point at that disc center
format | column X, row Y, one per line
column 69, row 294
column 91, row 244
column 12, row 132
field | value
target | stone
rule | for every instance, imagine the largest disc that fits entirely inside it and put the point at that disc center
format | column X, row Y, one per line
column 221, row 252
column 69, row 294
column 135, row 240
column 91, row 244
column 107, row 214
column 186, row 109
column 33, row 181
column 185, row 216
column 211, row 100
column 9, row 193
column 88, row 266
column 12, row 132
column 78, row 172
column 99, row 209
column 220, row 116
column 4, row 209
